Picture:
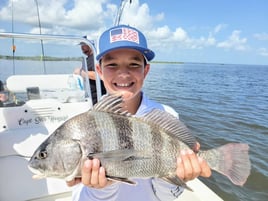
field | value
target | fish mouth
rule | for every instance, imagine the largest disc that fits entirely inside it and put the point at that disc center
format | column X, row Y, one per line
column 37, row 173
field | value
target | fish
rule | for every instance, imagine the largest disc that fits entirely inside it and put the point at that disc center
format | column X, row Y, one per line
column 130, row 147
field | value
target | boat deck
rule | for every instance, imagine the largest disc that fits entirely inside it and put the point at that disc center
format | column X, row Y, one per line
column 200, row 193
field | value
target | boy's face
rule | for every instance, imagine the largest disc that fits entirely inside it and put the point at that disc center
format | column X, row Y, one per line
column 123, row 71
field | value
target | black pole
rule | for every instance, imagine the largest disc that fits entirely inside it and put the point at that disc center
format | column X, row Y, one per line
column 13, row 41
column 42, row 45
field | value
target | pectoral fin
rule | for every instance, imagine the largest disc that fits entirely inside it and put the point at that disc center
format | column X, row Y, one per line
column 121, row 179
column 119, row 155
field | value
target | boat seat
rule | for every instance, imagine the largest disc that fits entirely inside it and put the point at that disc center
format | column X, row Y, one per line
column 20, row 83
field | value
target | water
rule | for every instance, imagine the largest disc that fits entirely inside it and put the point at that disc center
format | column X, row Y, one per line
column 220, row 104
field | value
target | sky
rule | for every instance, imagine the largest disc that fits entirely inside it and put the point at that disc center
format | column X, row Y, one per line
column 207, row 31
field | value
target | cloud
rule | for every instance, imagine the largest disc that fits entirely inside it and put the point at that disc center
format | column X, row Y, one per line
column 234, row 42
column 139, row 15
column 19, row 10
column 261, row 36
column 92, row 17
column 160, row 37
column 88, row 14
column 81, row 17
column 219, row 27
column 160, row 32
column 163, row 40
column 180, row 35
column 263, row 52
column 59, row 15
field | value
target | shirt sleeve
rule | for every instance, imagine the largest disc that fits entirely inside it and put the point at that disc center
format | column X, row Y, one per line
column 170, row 110
column 166, row 191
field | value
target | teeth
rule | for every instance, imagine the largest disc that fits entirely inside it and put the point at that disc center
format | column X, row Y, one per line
column 123, row 85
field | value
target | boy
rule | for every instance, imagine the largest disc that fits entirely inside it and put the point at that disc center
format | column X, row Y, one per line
column 123, row 66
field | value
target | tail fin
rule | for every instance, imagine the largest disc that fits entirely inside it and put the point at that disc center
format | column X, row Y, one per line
column 231, row 160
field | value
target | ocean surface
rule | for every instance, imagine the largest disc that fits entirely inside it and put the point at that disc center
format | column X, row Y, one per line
column 219, row 103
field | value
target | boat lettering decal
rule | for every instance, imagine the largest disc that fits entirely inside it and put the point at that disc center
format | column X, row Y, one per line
column 41, row 119
column 26, row 122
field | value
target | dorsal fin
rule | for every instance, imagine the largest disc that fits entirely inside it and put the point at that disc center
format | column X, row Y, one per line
column 111, row 104
column 170, row 125
column 163, row 120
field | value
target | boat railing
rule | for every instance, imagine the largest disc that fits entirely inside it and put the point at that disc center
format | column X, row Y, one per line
column 45, row 84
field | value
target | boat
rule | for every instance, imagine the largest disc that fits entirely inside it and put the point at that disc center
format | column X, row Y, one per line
column 38, row 102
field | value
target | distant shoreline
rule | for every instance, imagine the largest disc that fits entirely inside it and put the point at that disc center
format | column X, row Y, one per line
column 40, row 58
column 49, row 58
column 167, row 62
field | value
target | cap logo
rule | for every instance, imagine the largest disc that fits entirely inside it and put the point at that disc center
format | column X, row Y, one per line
column 124, row 34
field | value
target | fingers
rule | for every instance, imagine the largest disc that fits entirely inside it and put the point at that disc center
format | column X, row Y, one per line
column 86, row 173
column 190, row 166
column 93, row 175
column 180, row 168
column 95, row 172
column 196, row 147
column 102, row 178
column 206, row 171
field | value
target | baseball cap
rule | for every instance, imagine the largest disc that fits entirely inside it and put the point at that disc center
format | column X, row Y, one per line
column 90, row 41
column 123, row 36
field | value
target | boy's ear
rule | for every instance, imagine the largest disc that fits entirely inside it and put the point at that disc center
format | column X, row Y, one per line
column 146, row 70
column 98, row 68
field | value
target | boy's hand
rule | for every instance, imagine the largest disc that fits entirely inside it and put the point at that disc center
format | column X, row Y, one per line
column 93, row 175
column 190, row 166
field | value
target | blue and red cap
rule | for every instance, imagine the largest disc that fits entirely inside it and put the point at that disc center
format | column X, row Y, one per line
column 123, row 36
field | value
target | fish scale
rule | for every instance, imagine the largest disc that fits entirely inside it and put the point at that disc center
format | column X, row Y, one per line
column 129, row 146
column 107, row 129
column 124, row 132
column 150, row 160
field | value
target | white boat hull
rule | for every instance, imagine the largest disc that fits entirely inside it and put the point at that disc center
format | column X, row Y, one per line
column 17, row 138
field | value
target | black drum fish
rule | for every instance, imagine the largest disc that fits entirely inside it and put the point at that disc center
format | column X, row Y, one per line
column 130, row 147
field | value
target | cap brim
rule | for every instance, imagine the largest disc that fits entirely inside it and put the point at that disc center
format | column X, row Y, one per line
column 82, row 43
column 148, row 54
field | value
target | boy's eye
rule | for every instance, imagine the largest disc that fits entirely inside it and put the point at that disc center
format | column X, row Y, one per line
column 111, row 65
column 135, row 65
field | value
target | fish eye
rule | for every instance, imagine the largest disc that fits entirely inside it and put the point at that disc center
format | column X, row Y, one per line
column 43, row 154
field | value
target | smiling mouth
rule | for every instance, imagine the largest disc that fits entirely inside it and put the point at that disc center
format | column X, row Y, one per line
column 124, row 84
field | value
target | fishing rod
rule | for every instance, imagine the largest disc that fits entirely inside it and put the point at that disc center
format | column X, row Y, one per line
column 13, row 40
column 42, row 45
column 120, row 11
